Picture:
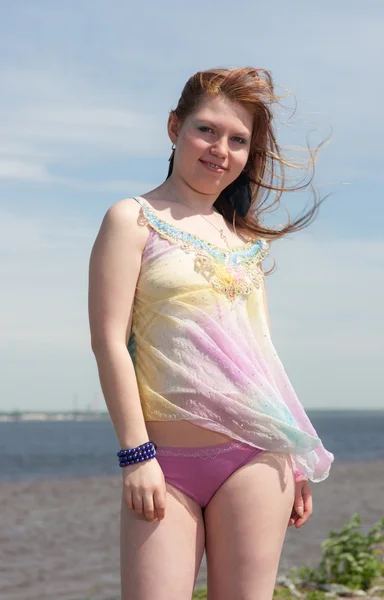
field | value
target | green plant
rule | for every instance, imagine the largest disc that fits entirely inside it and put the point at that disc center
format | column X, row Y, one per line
column 349, row 557
column 200, row 594
column 283, row 594
column 315, row 595
column 302, row 575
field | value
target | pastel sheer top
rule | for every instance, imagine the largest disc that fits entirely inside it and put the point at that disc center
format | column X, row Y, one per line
column 202, row 350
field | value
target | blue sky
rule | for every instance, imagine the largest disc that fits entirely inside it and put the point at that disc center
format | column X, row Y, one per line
column 86, row 91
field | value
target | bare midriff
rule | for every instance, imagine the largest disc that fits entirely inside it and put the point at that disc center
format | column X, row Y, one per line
column 182, row 433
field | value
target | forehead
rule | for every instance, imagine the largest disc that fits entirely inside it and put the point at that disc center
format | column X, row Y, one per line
column 223, row 111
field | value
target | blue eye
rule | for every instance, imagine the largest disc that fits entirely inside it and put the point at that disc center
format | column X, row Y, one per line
column 205, row 128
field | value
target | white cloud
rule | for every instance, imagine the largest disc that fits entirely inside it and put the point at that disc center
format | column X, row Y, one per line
column 18, row 170
column 66, row 133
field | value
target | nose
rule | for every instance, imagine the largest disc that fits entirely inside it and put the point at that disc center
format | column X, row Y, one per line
column 220, row 148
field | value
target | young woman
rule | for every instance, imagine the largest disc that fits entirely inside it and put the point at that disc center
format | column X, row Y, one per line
column 216, row 450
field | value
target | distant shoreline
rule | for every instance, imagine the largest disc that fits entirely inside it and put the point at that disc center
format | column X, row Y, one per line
column 94, row 415
column 59, row 416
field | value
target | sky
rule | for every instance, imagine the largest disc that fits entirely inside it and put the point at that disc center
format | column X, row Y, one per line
column 86, row 89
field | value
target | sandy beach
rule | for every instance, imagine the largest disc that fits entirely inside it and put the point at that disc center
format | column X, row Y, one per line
column 60, row 538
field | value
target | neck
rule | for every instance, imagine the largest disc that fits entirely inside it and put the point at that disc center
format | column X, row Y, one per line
column 200, row 202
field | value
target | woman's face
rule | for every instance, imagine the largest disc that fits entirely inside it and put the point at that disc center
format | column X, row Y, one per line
column 217, row 133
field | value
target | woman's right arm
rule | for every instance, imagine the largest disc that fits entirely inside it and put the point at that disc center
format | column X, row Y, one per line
column 113, row 273
column 114, row 268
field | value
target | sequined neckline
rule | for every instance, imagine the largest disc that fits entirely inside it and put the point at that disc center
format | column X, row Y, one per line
column 231, row 271
column 224, row 251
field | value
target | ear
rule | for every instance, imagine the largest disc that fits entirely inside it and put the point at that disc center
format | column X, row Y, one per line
column 173, row 127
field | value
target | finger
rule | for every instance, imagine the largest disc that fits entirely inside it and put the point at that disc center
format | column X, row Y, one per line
column 299, row 500
column 301, row 520
column 308, row 505
column 128, row 499
column 137, row 501
column 294, row 518
column 159, row 500
column 308, row 501
column 149, row 511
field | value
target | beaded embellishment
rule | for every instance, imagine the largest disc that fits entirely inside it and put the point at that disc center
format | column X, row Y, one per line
column 232, row 272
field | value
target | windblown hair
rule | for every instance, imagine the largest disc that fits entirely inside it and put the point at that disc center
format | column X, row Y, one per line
column 254, row 89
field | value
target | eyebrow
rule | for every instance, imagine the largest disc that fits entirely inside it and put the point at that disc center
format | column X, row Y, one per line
column 209, row 122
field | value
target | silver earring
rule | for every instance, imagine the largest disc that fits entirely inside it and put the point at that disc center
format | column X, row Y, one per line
column 173, row 147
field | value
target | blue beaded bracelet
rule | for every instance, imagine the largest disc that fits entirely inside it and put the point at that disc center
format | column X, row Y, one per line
column 138, row 454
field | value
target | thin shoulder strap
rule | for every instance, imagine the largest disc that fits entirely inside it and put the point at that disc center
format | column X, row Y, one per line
column 139, row 200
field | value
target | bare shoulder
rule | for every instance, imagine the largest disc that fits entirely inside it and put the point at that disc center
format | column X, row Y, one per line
column 114, row 269
column 122, row 220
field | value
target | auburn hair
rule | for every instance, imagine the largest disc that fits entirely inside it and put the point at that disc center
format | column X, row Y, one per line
column 254, row 89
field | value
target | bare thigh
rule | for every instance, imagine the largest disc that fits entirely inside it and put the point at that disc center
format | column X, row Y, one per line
column 245, row 526
column 161, row 559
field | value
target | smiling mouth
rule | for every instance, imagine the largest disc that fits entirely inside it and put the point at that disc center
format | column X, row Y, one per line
column 213, row 165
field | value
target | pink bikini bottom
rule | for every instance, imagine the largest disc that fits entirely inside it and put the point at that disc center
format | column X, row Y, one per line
column 200, row 471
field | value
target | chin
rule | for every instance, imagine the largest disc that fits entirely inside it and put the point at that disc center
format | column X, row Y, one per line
column 208, row 188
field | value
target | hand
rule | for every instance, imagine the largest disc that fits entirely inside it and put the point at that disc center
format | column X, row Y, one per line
column 302, row 507
column 144, row 489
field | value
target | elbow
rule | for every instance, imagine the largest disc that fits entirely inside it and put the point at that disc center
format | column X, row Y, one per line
column 96, row 343
column 103, row 345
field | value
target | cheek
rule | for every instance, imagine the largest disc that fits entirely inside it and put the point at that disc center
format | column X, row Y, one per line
column 194, row 143
column 192, row 148
column 241, row 158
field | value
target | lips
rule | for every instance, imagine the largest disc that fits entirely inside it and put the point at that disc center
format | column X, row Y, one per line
column 210, row 163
